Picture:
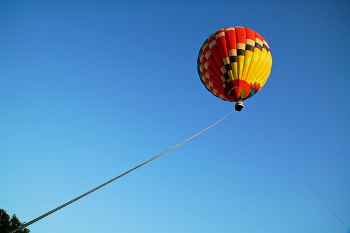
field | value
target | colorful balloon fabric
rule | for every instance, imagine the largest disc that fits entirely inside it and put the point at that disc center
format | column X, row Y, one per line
column 234, row 63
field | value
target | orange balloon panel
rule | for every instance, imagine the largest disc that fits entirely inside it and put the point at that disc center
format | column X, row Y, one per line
column 234, row 63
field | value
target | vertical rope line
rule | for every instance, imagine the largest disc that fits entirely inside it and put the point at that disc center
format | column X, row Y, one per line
column 212, row 169
column 110, row 181
column 294, row 168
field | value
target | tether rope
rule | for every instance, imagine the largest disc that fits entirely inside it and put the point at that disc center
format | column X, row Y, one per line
column 290, row 163
column 110, row 181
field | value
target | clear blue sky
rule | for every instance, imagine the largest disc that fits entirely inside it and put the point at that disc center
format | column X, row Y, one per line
column 90, row 89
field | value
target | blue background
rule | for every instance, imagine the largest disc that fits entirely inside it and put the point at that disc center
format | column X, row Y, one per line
column 90, row 89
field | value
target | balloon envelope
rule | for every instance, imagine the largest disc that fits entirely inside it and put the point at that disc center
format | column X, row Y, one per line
column 234, row 63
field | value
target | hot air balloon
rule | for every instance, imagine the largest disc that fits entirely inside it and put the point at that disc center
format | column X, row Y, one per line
column 234, row 63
